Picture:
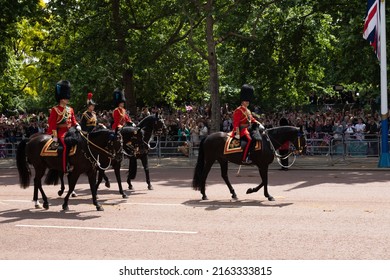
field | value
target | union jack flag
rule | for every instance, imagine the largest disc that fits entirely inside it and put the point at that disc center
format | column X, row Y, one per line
column 372, row 24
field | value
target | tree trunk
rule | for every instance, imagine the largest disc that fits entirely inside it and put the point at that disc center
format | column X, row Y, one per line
column 213, row 69
column 127, row 73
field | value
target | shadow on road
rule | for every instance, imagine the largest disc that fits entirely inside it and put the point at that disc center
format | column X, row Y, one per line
column 17, row 215
column 212, row 205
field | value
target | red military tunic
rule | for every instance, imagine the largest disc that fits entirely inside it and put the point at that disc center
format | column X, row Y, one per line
column 242, row 118
column 120, row 118
column 60, row 120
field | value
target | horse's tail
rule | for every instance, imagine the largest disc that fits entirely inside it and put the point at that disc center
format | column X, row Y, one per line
column 52, row 177
column 132, row 167
column 22, row 164
column 196, row 182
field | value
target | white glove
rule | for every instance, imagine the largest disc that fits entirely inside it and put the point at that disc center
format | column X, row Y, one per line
column 261, row 127
column 78, row 127
column 55, row 139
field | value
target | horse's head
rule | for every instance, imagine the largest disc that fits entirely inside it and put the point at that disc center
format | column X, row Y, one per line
column 153, row 123
column 132, row 140
column 279, row 136
column 159, row 126
column 106, row 144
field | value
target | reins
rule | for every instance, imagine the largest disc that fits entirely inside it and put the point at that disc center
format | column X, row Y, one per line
column 277, row 155
column 109, row 154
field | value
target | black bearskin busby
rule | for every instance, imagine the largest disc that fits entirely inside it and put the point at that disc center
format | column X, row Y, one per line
column 89, row 99
column 247, row 93
column 119, row 97
column 283, row 122
column 62, row 90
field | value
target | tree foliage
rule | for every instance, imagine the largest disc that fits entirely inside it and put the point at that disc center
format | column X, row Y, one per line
column 171, row 53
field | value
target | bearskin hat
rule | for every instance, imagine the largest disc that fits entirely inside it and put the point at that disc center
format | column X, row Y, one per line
column 247, row 93
column 283, row 122
column 62, row 90
column 119, row 97
column 89, row 99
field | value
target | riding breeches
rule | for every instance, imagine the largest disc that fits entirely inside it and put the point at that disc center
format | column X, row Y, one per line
column 247, row 147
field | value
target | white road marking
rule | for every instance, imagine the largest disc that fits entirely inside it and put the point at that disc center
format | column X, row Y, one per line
column 112, row 229
column 154, row 204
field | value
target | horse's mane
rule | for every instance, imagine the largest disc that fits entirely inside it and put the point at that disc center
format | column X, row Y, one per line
column 145, row 121
column 72, row 137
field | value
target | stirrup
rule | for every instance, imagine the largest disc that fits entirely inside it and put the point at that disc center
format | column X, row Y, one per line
column 247, row 161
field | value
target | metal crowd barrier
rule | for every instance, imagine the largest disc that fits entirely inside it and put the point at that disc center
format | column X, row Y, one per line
column 324, row 146
column 344, row 146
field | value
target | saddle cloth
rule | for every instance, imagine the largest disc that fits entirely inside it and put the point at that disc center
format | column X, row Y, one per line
column 233, row 145
column 51, row 149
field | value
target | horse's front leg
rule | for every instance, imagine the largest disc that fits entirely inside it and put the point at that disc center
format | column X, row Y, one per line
column 102, row 175
column 92, row 185
column 264, row 178
column 224, row 174
column 252, row 190
column 132, row 171
column 145, row 164
column 117, row 169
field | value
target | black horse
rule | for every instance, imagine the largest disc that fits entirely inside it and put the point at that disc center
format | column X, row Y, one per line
column 212, row 149
column 99, row 147
column 136, row 146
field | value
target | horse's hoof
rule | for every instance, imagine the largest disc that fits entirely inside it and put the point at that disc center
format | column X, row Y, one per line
column 131, row 187
column 150, row 187
column 46, row 205
column 271, row 198
column 124, row 195
column 65, row 208
column 74, row 194
column 248, row 191
column 108, row 185
column 234, row 197
column 99, row 208
column 38, row 206
column 205, row 197
column 60, row 193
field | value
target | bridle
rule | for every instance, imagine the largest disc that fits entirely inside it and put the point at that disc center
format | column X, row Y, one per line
column 109, row 150
column 294, row 152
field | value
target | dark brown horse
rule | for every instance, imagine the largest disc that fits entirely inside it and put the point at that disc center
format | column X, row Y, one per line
column 212, row 149
column 98, row 148
column 136, row 146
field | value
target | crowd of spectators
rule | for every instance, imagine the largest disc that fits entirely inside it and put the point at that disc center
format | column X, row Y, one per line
column 192, row 123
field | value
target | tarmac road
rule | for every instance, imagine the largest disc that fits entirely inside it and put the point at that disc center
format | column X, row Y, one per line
column 317, row 215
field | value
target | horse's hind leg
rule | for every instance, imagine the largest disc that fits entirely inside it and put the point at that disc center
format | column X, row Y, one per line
column 205, row 172
column 224, row 174
column 38, row 186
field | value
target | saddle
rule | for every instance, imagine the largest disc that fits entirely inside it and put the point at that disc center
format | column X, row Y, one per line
column 51, row 149
column 233, row 145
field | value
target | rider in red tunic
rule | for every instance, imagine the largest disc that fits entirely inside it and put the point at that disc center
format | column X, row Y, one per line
column 242, row 118
column 119, row 115
column 62, row 118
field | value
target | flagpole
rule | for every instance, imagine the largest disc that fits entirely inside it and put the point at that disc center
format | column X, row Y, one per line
column 384, row 160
